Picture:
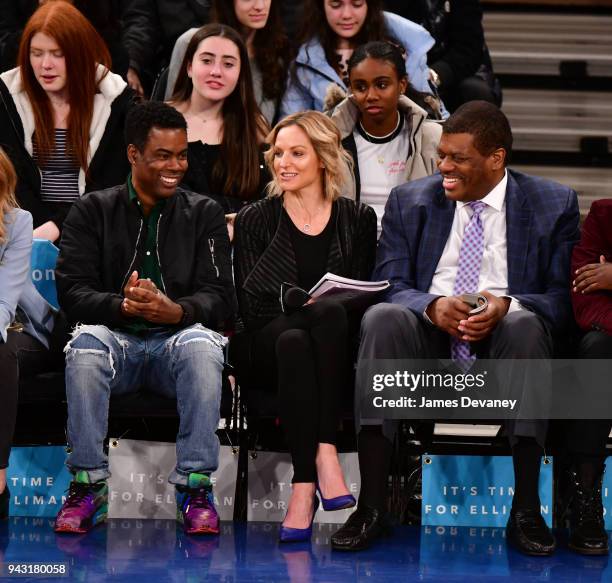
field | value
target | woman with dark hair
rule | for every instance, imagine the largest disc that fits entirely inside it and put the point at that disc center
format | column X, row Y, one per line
column 332, row 31
column 304, row 229
column 389, row 136
column 214, row 91
column 259, row 24
column 61, row 116
column 26, row 320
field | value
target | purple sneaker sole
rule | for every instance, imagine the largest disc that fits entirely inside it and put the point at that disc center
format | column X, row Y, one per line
column 209, row 525
column 67, row 524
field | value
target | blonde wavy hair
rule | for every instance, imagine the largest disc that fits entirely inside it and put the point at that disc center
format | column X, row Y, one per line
column 8, row 182
column 327, row 144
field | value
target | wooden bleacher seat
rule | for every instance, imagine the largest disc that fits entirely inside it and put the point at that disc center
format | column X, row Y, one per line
column 559, row 121
column 528, row 43
column 590, row 183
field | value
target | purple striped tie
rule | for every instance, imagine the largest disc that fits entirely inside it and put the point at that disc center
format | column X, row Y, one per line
column 468, row 273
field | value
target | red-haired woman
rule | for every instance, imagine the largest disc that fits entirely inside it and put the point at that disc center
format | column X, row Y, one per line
column 61, row 115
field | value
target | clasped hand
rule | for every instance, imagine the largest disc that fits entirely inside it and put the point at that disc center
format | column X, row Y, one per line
column 452, row 315
column 143, row 299
column 593, row 277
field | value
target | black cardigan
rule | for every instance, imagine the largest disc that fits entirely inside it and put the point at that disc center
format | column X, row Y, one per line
column 264, row 256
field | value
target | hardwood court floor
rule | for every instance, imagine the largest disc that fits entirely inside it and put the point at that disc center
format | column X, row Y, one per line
column 151, row 551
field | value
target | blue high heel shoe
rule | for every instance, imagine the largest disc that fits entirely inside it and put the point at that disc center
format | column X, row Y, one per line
column 337, row 503
column 287, row 534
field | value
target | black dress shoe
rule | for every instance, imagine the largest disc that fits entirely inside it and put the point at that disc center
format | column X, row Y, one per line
column 5, row 498
column 527, row 532
column 362, row 528
column 587, row 533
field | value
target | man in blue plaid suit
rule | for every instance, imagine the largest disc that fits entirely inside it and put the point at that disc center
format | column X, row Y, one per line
column 525, row 229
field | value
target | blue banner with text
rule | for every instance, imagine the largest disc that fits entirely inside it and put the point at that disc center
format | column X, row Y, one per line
column 44, row 259
column 38, row 480
column 465, row 490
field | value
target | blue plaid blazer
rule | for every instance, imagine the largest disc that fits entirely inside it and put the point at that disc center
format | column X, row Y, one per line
column 542, row 226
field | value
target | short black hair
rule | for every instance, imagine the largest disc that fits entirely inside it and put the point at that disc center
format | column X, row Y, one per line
column 142, row 117
column 382, row 51
column 485, row 122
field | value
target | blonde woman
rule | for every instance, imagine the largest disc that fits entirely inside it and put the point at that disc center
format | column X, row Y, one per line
column 304, row 229
column 26, row 319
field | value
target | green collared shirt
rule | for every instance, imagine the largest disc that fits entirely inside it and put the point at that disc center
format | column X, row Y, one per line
column 149, row 267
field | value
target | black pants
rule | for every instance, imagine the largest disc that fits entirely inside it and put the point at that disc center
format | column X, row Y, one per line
column 588, row 437
column 23, row 353
column 305, row 356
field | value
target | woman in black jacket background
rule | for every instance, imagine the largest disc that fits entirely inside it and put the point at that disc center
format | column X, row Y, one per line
column 460, row 60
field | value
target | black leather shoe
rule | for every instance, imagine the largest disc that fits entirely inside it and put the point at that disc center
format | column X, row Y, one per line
column 361, row 529
column 527, row 532
column 587, row 533
column 5, row 498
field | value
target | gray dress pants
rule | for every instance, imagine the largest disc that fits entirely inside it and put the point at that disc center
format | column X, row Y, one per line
column 390, row 331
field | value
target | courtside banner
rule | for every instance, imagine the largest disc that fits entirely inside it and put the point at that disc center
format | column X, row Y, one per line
column 38, row 480
column 270, row 476
column 471, row 490
column 606, row 494
column 43, row 261
column 484, row 389
column 139, row 488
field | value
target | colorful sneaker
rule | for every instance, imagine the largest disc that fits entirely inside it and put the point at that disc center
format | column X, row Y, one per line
column 86, row 505
column 195, row 508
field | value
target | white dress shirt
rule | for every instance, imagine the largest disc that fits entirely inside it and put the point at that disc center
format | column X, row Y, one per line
column 494, row 267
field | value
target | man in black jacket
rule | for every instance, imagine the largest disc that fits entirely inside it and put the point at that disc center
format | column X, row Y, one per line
column 144, row 268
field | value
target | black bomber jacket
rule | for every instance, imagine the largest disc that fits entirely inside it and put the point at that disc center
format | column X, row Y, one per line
column 103, row 242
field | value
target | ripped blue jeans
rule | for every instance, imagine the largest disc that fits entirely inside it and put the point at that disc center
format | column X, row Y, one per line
column 186, row 365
